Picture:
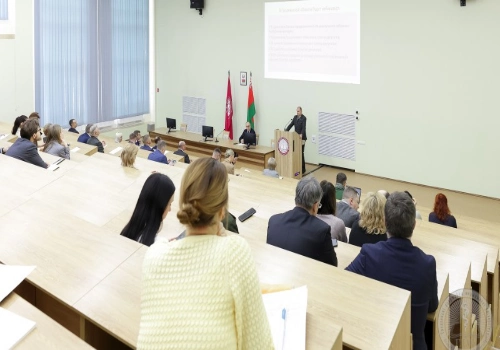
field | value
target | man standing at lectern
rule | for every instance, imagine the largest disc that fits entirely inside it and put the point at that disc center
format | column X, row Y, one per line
column 299, row 121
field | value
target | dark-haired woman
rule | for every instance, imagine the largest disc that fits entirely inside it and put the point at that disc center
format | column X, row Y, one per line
column 202, row 292
column 152, row 207
column 327, row 212
column 18, row 123
column 441, row 214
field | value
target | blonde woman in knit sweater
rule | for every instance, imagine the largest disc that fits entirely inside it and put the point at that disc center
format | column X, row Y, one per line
column 202, row 292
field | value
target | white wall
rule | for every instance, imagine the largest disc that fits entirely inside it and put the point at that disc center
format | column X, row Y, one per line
column 16, row 67
column 427, row 99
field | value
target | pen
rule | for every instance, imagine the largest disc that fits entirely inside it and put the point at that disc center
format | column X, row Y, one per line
column 283, row 316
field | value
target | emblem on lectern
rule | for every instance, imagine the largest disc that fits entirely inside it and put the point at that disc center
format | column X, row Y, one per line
column 283, row 146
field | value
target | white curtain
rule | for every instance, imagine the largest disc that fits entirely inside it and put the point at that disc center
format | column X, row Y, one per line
column 4, row 10
column 91, row 60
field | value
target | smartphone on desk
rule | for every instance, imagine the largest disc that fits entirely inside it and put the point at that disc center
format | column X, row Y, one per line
column 334, row 243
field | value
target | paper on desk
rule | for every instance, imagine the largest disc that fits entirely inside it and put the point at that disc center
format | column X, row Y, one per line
column 116, row 150
column 289, row 333
column 2, row 136
column 76, row 149
column 11, row 276
column 53, row 167
column 13, row 328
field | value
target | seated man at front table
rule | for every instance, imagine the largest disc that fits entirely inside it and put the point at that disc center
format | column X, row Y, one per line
column 340, row 185
column 72, row 126
column 158, row 154
column 271, row 168
column 83, row 138
column 397, row 262
column 299, row 230
column 182, row 152
column 248, row 129
column 25, row 147
column 146, row 140
column 347, row 208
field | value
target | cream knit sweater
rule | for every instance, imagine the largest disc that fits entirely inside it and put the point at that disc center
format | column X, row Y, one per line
column 202, row 292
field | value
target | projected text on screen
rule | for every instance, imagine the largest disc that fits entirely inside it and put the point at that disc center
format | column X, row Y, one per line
column 313, row 40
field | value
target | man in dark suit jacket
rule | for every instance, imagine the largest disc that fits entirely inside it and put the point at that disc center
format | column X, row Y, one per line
column 299, row 122
column 72, row 126
column 248, row 130
column 182, row 152
column 25, row 147
column 146, row 140
column 86, row 136
column 399, row 263
column 347, row 208
column 158, row 154
column 299, row 230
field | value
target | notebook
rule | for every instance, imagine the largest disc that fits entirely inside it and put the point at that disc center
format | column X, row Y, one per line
column 286, row 312
column 13, row 328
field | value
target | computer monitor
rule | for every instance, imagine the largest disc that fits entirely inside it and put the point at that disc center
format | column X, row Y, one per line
column 171, row 124
column 207, row 131
column 249, row 139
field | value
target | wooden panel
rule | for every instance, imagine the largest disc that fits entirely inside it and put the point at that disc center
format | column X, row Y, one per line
column 59, row 312
column 290, row 163
column 26, row 291
column 102, row 340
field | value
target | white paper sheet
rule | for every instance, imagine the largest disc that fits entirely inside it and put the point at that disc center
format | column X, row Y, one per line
column 286, row 312
column 76, row 149
column 13, row 328
column 116, row 150
column 11, row 276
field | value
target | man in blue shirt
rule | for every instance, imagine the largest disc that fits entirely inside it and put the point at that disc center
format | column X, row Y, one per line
column 25, row 147
column 158, row 154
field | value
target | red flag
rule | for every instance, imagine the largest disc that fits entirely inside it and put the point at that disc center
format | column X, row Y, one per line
column 229, row 109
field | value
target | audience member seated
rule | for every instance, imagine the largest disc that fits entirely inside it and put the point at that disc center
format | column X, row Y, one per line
column 181, row 151
column 155, row 141
column 158, row 155
column 370, row 228
column 83, row 138
column 441, row 214
column 347, row 208
column 18, row 123
column 151, row 209
column 340, row 185
column 228, row 161
column 25, row 147
column 248, row 130
column 216, row 154
column 146, row 140
column 138, row 137
column 271, row 168
column 118, row 137
column 55, row 144
column 417, row 214
column 35, row 115
column 397, row 262
column 299, row 230
column 327, row 212
column 72, row 126
column 94, row 141
column 384, row 193
column 128, row 155
column 202, row 291
column 45, row 131
column 132, row 138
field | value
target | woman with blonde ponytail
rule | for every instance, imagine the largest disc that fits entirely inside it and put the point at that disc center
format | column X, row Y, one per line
column 202, row 291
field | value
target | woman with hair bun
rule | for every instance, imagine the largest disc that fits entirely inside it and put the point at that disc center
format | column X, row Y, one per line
column 202, row 292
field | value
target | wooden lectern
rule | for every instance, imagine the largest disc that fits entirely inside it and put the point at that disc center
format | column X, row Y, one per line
column 288, row 154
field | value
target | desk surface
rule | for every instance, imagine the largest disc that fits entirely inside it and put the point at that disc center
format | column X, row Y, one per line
column 47, row 334
column 119, row 310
